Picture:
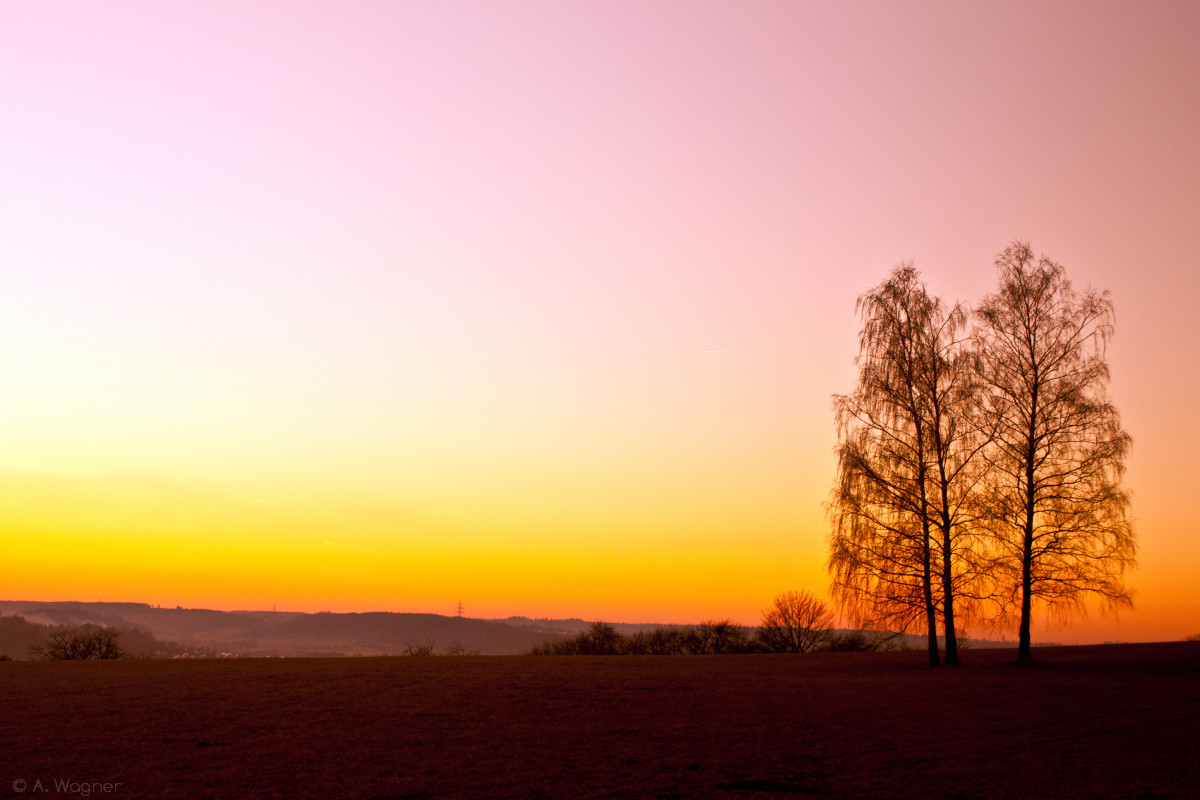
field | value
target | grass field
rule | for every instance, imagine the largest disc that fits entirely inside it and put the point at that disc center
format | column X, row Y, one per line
column 1088, row 722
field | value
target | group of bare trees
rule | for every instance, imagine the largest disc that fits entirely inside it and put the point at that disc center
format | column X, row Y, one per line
column 979, row 457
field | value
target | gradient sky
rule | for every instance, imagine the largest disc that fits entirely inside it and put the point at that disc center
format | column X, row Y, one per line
column 540, row 306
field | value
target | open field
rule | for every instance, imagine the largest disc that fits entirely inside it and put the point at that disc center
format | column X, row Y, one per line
column 1112, row 721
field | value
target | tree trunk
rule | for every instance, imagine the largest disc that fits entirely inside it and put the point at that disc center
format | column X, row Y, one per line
column 947, row 564
column 948, row 602
column 927, row 549
column 1023, row 647
column 930, row 612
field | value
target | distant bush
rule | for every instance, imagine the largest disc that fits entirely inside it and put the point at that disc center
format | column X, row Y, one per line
column 424, row 648
column 80, row 644
column 598, row 640
column 658, row 642
column 459, row 649
column 861, row 642
column 1195, row 637
column 849, row 642
column 721, row 637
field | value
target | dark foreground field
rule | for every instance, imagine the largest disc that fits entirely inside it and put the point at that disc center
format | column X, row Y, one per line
column 1113, row 721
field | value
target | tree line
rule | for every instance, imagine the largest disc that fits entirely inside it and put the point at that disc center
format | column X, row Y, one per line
column 980, row 458
column 796, row 622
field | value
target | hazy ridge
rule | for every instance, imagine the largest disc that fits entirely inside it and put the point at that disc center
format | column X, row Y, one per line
column 294, row 634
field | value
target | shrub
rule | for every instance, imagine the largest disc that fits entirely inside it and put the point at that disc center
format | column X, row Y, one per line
column 852, row 642
column 665, row 642
column 719, row 637
column 1195, row 637
column 657, row 642
column 552, row 648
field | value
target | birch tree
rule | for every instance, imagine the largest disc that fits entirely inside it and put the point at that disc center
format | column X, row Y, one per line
column 907, row 456
column 1058, row 511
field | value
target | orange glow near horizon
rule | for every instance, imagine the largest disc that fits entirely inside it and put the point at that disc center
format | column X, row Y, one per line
column 540, row 307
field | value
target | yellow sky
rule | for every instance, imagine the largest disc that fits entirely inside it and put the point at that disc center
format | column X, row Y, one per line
column 542, row 309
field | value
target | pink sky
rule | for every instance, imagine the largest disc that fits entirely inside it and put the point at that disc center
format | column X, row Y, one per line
column 446, row 277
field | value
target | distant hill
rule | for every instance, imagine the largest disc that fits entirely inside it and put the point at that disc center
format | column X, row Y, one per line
column 292, row 634
column 283, row 633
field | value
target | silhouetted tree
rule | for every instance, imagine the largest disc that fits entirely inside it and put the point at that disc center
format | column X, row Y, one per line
column 949, row 391
column 882, row 546
column 905, row 547
column 80, row 644
column 796, row 622
column 600, row 639
column 1058, row 509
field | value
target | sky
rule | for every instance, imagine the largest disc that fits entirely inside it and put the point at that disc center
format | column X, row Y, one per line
column 540, row 306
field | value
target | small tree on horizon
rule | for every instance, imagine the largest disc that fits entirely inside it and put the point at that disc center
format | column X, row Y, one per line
column 796, row 622
column 80, row 644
